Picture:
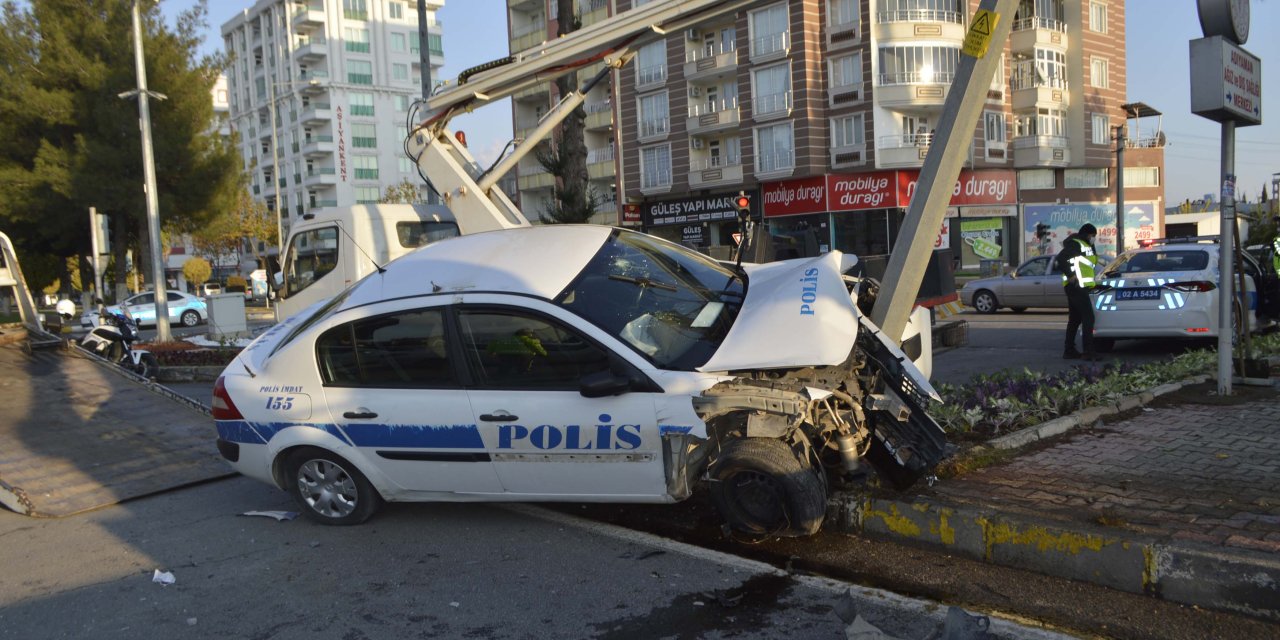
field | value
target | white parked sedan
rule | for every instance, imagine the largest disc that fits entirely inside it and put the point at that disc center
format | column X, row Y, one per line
column 1169, row 289
column 578, row 363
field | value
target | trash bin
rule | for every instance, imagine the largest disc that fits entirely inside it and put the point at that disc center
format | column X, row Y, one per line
column 990, row 267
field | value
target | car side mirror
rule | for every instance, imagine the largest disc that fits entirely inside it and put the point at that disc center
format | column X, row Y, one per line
column 603, row 383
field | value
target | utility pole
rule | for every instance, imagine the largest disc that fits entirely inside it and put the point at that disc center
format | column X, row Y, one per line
column 909, row 259
column 161, row 286
column 1120, row 145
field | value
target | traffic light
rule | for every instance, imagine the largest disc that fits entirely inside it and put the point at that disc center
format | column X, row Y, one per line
column 743, row 204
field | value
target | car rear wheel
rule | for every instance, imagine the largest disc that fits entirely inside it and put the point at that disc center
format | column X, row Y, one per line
column 190, row 318
column 985, row 302
column 329, row 489
column 760, row 487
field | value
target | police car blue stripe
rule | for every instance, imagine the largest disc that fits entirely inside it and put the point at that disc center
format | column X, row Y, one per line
column 457, row 436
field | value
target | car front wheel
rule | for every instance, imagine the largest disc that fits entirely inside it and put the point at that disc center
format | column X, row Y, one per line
column 985, row 302
column 760, row 487
column 329, row 489
column 190, row 318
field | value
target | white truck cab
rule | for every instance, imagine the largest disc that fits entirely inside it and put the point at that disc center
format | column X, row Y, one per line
column 330, row 250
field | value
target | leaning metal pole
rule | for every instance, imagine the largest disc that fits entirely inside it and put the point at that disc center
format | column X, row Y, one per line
column 947, row 152
column 149, row 176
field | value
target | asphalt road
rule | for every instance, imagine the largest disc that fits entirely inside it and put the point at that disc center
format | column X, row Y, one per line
column 417, row 571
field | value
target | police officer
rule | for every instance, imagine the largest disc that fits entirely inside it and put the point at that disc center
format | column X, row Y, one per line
column 1078, row 262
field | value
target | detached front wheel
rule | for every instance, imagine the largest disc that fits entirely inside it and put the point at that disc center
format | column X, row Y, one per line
column 329, row 489
column 760, row 487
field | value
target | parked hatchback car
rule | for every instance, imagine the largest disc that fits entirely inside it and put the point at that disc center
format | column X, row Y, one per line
column 1171, row 289
column 184, row 308
column 1035, row 283
column 578, row 363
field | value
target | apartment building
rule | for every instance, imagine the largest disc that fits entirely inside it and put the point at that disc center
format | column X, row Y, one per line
column 319, row 94
column 823, row 111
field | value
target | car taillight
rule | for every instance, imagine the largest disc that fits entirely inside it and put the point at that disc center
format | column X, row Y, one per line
column 1196, row 285
column 223, row 407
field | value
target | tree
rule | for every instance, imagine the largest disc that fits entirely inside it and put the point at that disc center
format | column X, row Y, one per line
column 71, row 143
column 403, row 192
column 197, row 271
column 572, row 200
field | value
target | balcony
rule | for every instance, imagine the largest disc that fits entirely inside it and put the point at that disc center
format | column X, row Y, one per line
column 1041, row 151
column 1033, row 31
column 316, row 112
column 917, row 89
column 714, row 171
column 903, row 150
column 311, row 49
column 702, row 63
column 1030, row 94
column 912, row 24
column 709, row 117
column 317, row 145
column 320, row 176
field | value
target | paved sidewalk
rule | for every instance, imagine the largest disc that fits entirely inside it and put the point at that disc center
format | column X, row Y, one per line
column 1208, row 474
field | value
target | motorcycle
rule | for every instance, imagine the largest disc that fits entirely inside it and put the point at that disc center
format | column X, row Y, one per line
column 113, row 339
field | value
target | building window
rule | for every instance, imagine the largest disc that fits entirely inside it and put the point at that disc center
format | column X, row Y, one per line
column 995, row 128
column 1098, row 73
column 400, row 72
column 1036, row 179
column 357, row 40
column 359, row 72
column 1085, row 178
column 368, row 195
column 651, row 64
column 769, row 30
column 655, row 167
column 355, row 10
column 361, row 104
column 842, row 16
column 771, row 87
column 775, row 150
column 915, row 65
column 848, row 131
column 1097, row 17
column 366, row 167
column 655, row 116
column 846, row 73
column 398, row 43
column 1142, row 176
column 395, row 10
column 1101, row 128
column 364, row 135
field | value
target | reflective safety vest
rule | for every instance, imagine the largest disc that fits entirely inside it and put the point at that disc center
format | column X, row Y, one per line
column 1082, row 267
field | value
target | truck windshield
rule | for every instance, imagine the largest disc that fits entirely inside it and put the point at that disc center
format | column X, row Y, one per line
column 673, row 305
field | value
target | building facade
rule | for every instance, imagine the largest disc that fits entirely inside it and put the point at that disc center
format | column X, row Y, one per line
column 824, row 110
column 339, row 77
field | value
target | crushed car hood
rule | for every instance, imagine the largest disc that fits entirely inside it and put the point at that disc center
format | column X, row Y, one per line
column 797, row 313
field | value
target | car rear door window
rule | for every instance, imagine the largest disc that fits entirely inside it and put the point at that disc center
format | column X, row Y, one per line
column 399, row 350
column 510, row 350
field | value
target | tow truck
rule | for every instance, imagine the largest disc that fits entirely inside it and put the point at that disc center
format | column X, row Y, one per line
column 770, row 425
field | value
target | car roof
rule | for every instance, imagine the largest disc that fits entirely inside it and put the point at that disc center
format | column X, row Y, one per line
column 538, row 261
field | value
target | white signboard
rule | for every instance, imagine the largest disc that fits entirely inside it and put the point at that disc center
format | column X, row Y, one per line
column 1226, row 82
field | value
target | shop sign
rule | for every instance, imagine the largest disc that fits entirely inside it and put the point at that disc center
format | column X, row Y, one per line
column 795, row 197
column 704, row 209
column 857, row 191
column 971, row 188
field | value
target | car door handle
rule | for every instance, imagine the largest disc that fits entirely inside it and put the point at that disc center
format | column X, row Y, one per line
column 501, row 416
column 360, row 414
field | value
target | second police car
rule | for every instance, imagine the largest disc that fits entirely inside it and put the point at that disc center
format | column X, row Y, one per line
column 578, row 363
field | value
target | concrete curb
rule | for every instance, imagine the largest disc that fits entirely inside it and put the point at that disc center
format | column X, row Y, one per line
column 1239, row 581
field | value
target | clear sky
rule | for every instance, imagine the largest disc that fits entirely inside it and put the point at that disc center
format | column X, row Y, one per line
column 1158, row 69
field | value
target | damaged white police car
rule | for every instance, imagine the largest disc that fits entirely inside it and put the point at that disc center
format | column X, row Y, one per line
column 579, row 363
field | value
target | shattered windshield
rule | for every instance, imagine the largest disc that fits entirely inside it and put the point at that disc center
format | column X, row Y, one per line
column 673, row 305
